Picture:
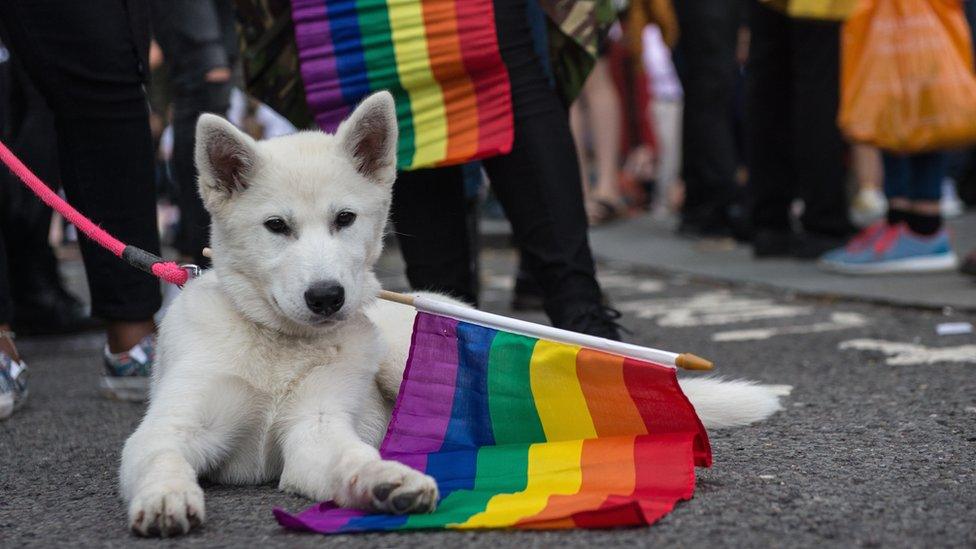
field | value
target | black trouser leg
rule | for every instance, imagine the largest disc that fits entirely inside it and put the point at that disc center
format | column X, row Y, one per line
column 818, row 148
column 26, row 221
column 196, row 36
column 538, row 183
column 769, row 128
column 429, row 217
column 85, row 59
column 707, row 67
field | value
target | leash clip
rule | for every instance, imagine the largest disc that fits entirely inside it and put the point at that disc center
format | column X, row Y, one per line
column 192, row 270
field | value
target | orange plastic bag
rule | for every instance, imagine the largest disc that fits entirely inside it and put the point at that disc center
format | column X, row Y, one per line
column 907, row 82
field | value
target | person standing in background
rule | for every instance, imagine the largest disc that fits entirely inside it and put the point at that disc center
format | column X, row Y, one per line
column 199, row 46
column 794, row 146
column 91, row 68
column 706, row 63
column 41, row 304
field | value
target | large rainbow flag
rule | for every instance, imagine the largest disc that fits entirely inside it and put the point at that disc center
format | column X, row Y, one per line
column 439, row 59
column 529, row 433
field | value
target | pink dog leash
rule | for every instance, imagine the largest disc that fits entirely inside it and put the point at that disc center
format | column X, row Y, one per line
column 140, row 259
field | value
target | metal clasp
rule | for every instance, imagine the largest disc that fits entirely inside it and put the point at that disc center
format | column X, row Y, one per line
column 192, row 270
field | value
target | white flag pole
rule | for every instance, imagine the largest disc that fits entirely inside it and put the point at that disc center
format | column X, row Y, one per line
column 687, row 361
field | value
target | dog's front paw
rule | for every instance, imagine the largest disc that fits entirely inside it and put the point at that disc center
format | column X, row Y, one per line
column 391, row 487
column 166, row 509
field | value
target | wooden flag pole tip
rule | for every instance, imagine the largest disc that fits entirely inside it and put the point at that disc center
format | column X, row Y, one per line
column 403, row 299
column 689, row 361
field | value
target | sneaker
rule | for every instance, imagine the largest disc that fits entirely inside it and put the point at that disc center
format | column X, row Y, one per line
column 897, row 250
column 13, row 385
column 862, row 241
column 127, row 374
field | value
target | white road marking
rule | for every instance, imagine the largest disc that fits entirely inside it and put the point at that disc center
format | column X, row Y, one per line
column 710, row 309
column 838, row 321
column 615, row 281
column 908, row 354
column 630, row 282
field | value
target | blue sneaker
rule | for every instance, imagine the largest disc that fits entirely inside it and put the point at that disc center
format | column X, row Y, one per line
column 127, row 374
column 13, row 385
column 896, row 250
column 861, row 242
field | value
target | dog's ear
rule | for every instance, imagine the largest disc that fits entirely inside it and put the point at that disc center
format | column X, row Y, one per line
column 369, row 137
column 225, row 158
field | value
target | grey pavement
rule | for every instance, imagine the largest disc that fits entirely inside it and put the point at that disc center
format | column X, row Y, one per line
column 874, row 447
column 652, row 243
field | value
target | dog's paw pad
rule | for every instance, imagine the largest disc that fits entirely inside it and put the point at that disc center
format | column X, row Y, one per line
column 395, row 488
column 167, row 509
column 382, row 491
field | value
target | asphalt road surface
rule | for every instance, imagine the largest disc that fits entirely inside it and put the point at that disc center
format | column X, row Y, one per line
column 876, row 445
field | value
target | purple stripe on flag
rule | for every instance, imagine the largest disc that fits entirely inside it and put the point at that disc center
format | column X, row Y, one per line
column 420, row 417
column 423, row 409
column 316, row 54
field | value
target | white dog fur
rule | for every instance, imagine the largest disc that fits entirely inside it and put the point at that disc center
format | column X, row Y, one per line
column 250, row 384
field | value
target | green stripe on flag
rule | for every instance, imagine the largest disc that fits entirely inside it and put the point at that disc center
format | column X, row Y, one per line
column 381, row 69
column 511, row 405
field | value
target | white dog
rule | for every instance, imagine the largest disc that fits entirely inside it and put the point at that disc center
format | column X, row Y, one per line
column 279, row 363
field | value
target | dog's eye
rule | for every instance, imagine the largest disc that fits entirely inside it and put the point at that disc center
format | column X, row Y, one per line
column 277, row 225
column 344, row 219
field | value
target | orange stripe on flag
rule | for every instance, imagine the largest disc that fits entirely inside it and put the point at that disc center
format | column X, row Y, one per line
column 613, row 410
column 608, row 468
column 444, row 47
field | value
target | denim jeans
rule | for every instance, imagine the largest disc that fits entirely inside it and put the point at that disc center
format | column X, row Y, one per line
column 915, row 177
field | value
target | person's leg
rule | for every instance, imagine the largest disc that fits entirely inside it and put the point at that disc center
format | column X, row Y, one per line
column 604, row 120
column 897, row 183
column 430, row 221
column 85, row 60
column 768, row 130
column 667, row 128
column 191, row 35
column 925, row 192
column 705, row 59
column 538, row 184
column 817, row 146
column 42, row 305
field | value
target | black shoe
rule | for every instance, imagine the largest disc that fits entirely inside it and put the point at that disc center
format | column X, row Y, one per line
column 593, row 319
column 704, row 228
column 809, row 246
column 772, row 243
column 51, row 311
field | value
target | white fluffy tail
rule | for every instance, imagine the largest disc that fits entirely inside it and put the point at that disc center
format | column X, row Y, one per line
column 721, row 404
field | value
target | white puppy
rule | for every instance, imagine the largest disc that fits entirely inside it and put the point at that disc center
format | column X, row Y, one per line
column 278, row 363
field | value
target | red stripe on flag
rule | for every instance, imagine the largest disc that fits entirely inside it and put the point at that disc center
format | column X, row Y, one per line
column 484, row 65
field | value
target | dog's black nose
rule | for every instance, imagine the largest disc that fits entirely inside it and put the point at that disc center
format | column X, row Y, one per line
column 325, row 298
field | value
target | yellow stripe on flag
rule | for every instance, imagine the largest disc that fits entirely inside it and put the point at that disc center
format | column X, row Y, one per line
column 554, row 468
column 417, row 78
column 559, row 399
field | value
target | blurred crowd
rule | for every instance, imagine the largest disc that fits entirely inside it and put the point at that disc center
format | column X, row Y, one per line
column 736, row 105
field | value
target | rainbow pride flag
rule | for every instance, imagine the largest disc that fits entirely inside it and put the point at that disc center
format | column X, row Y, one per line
column 439, row 59
column 528, row 433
